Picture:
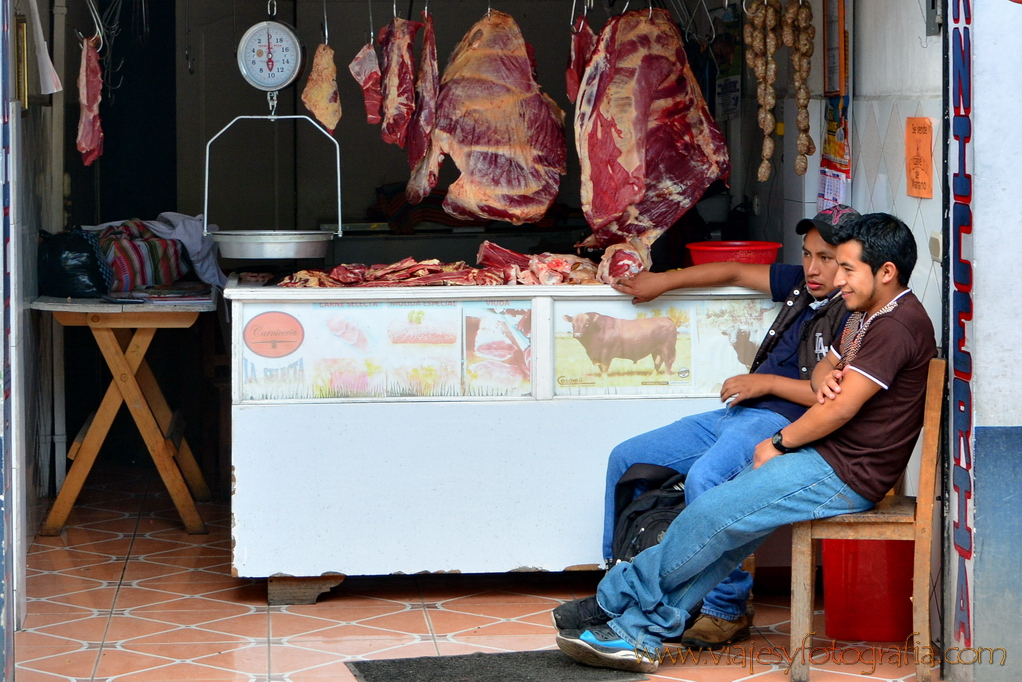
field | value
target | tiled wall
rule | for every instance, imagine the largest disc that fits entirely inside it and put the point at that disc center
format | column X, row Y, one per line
column 879, row 183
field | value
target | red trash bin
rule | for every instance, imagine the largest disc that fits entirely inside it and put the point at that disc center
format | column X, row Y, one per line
column 867, row 589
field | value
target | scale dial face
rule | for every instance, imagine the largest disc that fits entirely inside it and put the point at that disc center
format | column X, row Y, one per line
column 270, row 56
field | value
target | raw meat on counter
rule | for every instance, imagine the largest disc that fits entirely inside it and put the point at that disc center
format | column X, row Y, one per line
column 427, row 88
column 365, row 68
column 583, row 40
column 90, row 92
column 504, row 134
column 647, row 143
column 320, row 93
column 397, row 39
column 544, row 268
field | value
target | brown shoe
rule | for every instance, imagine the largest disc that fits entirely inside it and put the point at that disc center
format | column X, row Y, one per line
column 710, row 632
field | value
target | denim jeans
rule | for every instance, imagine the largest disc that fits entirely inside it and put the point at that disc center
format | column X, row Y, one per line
column 651, row 597
column 709, row 448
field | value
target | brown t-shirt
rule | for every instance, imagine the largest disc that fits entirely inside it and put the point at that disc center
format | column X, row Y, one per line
column 871, row 450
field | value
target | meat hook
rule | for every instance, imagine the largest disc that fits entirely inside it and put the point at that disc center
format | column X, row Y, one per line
column 748, row 13
column 395, row 8
column 585, row 14
column 326, row 27
column 271, row 7
column 97, row 22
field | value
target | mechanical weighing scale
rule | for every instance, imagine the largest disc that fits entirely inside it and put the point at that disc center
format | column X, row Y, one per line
column 270, row 59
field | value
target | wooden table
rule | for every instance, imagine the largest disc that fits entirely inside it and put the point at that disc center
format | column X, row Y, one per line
column 123, row 333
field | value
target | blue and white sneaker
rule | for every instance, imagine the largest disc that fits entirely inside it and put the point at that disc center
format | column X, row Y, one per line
column 601, row 647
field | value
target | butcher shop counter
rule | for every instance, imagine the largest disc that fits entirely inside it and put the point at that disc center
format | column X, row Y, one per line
column 453, row 429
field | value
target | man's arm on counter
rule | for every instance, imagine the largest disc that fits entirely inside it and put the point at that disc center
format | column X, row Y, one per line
column 646, row 286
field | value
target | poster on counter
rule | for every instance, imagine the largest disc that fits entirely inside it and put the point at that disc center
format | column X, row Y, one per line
column 386, row 349
column 663, row 347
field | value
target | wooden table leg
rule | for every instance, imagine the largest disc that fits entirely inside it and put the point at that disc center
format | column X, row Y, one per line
column 134, row 350
column 164, row 416
column 131, row 392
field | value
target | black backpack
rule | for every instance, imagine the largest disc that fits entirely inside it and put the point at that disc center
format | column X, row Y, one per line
column 641, row 522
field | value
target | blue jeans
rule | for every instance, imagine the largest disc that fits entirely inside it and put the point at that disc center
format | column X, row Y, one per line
column 709, row 448
column 651, row 597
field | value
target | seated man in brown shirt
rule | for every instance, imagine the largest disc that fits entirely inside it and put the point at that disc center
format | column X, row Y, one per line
column 841, row 456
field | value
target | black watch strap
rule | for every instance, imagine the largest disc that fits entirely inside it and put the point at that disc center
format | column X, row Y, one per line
column 778, row 443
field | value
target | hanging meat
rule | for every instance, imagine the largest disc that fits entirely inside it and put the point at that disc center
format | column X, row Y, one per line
column 583, row 40
column 320, row 94
column 427, row 87
column 366, row 70
column 397, row 39
column 648, row 146
column 90, row 92
column 505, row 136
column 763, row 35
column 798, row 33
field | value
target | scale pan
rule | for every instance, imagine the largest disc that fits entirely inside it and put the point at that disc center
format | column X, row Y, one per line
column 272, row 244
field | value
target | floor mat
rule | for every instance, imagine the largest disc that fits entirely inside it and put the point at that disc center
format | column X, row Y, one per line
column 519, row 666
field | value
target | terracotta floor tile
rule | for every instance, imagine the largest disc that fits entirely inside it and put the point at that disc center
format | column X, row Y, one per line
column 335, row 672
column 114, row 662
column 412, row 622
column 252, row 625
column 254, row 594
column 28, row 675
column 187, row 635
column 254, row 659
column 499, row 609
column 512, row 628
column 501, row 597
column 186, row 672
column 64, row 558
column 111, row 571
column 136, row 570
column 112, row 545
column 85, row 629
column 78, row 664
column 129, row 597
column 179, row 603
column 26, row 640
column 285, row 659
column 344, row 614
column 187, row 617
column 448, row 622
column 54, row 584
column 186, row 651
column 34, row 619
column 352, row 640
column 295, row 625
column 125, row 628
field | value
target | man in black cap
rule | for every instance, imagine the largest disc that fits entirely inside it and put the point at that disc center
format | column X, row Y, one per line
column 714, row 447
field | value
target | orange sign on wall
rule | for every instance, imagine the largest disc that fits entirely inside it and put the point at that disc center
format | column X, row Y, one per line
column 919, row 157
column 273, row 334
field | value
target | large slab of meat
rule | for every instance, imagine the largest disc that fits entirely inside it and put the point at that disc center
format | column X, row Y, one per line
column 90, row 92
column 427, row 89
column 320, row 93
column 397, row 39
column 504, row 134
column 365, row 68
column 647, row 143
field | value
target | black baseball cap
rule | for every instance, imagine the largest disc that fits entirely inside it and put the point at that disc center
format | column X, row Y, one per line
column 826, row 220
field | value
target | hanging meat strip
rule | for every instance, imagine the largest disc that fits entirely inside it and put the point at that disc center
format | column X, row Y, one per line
column 397, row 39
column 365, row 67
column 505, row 135
column 583, row 40
column 647, row 144
column 90, row 92
column 427, row 87
column 320, row 94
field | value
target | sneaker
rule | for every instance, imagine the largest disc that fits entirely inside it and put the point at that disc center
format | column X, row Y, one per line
column 601, row 647
column 710, row 632
column 579, row 614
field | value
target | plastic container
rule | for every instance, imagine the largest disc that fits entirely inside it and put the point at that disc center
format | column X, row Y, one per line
column 735, row 252
column 867, row 589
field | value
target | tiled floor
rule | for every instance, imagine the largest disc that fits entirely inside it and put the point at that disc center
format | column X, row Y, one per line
column 125, row 594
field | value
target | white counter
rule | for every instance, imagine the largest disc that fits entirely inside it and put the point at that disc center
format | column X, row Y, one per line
column 384, row 430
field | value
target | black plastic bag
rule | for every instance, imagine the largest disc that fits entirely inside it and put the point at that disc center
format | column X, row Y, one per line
column 69, row 266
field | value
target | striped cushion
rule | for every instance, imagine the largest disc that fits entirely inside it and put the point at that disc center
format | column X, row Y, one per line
column 139, row 258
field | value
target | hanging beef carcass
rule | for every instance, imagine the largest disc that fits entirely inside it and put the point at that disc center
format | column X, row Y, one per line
column 506, row 136
column 397, row 39
column 583, row 40
column 90, row 92
column 365, row 68
column 427, row 87
column 647, row 144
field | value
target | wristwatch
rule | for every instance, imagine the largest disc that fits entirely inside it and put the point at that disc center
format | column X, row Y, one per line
column 778, row 443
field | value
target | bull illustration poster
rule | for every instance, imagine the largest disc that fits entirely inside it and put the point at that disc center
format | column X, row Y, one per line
column 671, row 346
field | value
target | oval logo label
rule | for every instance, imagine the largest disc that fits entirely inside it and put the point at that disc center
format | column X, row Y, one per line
column 273, row 335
